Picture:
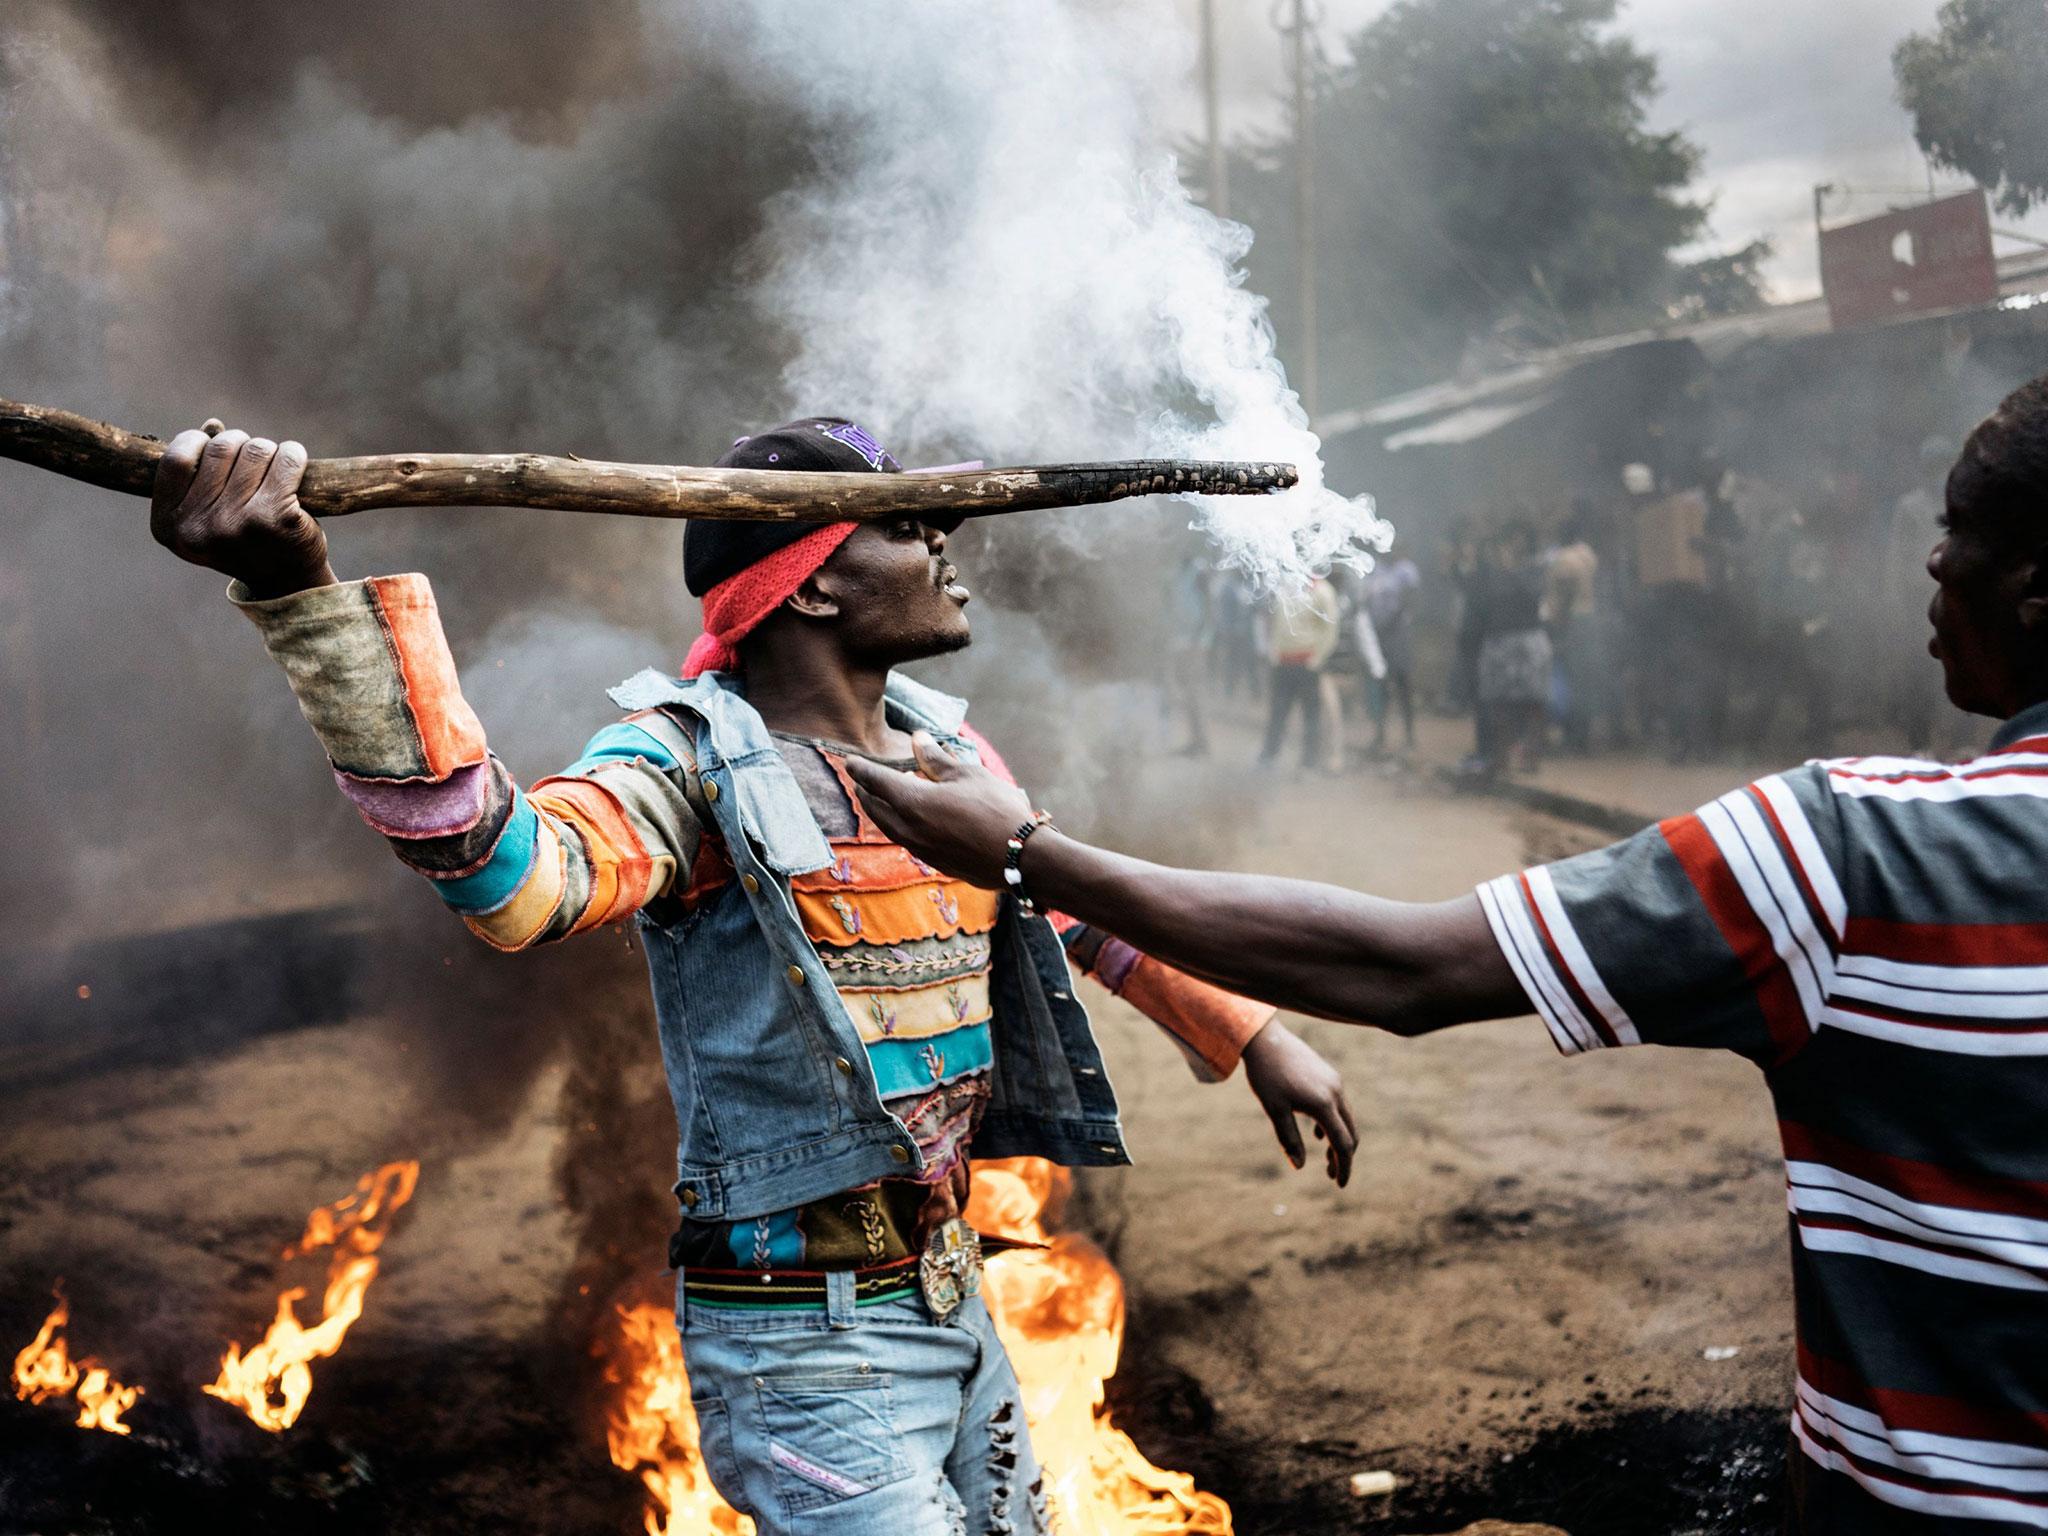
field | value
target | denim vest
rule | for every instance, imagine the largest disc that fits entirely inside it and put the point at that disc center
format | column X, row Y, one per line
column 772, row 1091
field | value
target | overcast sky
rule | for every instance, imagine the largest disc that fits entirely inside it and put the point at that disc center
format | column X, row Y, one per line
column 1782, row 94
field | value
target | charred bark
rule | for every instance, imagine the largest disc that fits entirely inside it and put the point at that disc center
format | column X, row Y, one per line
column 118, row 460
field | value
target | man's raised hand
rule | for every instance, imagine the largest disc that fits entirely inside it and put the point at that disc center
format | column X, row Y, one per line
column 231, row 503
column 957, row 817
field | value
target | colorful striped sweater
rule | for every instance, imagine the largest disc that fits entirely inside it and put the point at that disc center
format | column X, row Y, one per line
column 619, row 828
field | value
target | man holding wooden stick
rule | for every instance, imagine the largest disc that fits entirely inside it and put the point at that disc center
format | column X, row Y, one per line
column 841, row 1023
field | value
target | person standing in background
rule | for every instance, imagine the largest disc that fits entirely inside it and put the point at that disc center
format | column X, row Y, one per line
column 1465, row 565
column 1391, row 595
column 1355, row 664
column 1236, row 636
column 1514, row 656
column 1302, row 632
column 1570, row 615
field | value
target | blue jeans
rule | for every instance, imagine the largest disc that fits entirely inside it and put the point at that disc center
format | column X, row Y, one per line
column 863, row 1421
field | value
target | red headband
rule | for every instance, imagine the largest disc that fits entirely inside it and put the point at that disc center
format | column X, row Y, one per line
column 737, row 604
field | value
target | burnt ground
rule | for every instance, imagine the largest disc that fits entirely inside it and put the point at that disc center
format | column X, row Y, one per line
column 1522, row 1306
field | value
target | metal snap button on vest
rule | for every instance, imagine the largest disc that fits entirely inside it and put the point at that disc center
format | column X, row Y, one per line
column 796, row 975
column 901, row 1154
column 844, row 1066
column 690, row 1199
column 750, row 885
column 711, row 789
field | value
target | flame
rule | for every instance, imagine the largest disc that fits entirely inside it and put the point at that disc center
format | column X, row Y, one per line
column 653, row 1430
column 271, row 1382
column 1060, row 1311
column 45, row 1370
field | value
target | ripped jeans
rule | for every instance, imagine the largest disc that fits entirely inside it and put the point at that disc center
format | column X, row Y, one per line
column 863, row 1421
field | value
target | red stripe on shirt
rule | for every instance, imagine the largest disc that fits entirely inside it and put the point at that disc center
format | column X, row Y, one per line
column 1922, row 1411
column 1954, row 944
column 1742, row 930
column 1928, row 1183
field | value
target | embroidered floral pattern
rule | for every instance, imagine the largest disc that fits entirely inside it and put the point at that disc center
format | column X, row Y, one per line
column 885, row 1019
column 949, row 907
column 849, row 914
column 873, row 1234
column 967, row 955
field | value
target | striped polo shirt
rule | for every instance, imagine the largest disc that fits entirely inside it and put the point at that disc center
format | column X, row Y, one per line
column 1873, row 933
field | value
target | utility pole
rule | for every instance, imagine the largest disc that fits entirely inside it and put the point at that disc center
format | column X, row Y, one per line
column 1296, row 29
column 1219, row 167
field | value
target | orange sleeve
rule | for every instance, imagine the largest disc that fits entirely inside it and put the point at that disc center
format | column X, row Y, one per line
column 1214, row 1025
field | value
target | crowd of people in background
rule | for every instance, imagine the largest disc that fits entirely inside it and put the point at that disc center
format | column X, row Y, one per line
column 1700, row 623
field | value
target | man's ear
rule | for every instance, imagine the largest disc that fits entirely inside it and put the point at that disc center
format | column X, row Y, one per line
column 2031, row 578
column 815, row 599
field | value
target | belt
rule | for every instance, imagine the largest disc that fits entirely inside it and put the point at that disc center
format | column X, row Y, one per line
column 795, row 1287
column 945, row 1274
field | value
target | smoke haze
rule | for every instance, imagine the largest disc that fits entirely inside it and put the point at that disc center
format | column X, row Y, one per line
column 619, row 230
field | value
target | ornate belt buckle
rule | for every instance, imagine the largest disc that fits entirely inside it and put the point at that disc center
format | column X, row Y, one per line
column 950, row 1269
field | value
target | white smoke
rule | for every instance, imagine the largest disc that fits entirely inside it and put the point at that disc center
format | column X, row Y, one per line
column 996, row 257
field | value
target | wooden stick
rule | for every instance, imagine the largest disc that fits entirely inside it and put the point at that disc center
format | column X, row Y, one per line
column 115, row 460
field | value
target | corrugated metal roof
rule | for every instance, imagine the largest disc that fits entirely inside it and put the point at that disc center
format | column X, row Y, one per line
column 1464, row 410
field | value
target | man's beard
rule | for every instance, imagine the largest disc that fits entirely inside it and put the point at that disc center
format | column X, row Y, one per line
column 901, row 650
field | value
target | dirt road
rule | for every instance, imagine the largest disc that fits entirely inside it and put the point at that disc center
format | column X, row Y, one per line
column 1526, row 1298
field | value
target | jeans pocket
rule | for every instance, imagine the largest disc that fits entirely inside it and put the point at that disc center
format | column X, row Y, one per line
column 714, row 1444
column 831, row 1435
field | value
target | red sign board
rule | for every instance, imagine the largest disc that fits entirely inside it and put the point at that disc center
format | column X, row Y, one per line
column 1936, row 256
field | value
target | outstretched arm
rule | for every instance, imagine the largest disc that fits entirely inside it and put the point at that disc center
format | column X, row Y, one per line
column 1214, row 1027
column 1316, row 949
column 374, row 678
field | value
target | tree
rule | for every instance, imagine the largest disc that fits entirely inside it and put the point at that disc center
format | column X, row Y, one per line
column 1978, row 91
column 1483, row 167
column 1721, row 285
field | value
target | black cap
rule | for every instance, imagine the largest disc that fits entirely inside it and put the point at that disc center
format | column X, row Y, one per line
column 716, row 549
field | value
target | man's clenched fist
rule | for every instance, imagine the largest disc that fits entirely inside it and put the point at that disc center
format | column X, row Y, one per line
column 231, row 503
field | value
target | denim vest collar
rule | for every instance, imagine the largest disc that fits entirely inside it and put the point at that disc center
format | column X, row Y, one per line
column 771, row 805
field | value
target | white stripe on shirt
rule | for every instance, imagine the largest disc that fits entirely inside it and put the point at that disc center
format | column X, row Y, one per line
column 1934, row 1037
column 1969, row 1452
column 1923, row 1224
column 1909, row 1255
column 1501, row 900
column 1759, row 890
column 1988, row 1003
column 1987, row 786
column 1960, row 1506
column 1941, row 1458
column 1806, row 851
column 1576, row 960
column 1945, row 978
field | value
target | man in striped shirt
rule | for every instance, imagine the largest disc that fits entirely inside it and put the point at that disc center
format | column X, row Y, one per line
column 1872, row 933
